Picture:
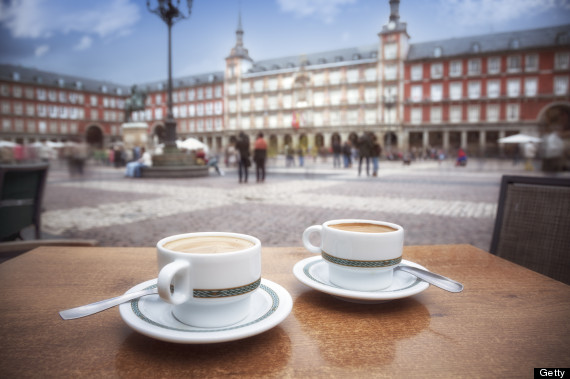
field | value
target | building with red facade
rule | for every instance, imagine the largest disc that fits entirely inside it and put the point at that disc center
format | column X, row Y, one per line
column 433, row 96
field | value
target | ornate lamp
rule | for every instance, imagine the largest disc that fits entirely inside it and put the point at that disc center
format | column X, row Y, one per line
column 170, row 14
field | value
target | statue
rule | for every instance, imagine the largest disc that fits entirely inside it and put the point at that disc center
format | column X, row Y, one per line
column 135, row 103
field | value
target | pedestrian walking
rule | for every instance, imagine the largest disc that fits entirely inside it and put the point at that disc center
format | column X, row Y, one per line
column 242, row 146
column 347, row 154
column 259, row 157
column 364, row 148
column 337, row 150
column 375, row 154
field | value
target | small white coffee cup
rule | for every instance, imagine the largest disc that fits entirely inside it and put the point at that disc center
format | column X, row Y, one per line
column 360, row 254
column 209, row 277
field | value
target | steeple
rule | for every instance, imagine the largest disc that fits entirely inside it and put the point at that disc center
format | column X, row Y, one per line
column 395, row 10
column 238, row 50
column 394, row 24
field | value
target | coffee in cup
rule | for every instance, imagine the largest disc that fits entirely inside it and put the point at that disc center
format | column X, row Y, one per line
column 360, row 254
column 209, row 277
column 208, row 244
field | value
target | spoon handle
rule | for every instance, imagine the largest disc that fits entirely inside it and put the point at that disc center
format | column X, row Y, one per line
column 435, row 279
column 89, row 309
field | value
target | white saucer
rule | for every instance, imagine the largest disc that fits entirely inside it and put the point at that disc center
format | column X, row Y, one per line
column 149, row 315
column 314, row 273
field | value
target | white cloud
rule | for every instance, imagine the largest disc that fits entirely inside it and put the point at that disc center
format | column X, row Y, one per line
column 40, row 18
column 41, row 50
column 84, row 43
column 325, row 10
column 476, row 12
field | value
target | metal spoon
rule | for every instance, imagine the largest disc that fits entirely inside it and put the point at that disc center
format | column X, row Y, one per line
column 89, row 309
column 435, row 279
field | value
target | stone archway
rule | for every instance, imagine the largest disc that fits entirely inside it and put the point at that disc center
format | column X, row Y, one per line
column 390, row 141
column 555, row 117
column 94, row 137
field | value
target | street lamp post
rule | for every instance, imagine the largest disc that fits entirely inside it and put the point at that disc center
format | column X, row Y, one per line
column 170, row 14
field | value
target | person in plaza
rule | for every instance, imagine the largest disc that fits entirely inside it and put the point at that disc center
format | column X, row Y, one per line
column 375, row 154
column 364, row 149
column 289, row 156
column 134, row 169
column 529, row 152
column 301, row 154
column 461, row 158
column 259, row 157
column 242, row 146
column 347, row 154
column 337, row 150
column 553, row 151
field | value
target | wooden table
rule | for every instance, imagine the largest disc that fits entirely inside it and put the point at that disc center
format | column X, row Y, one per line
column 507, row 321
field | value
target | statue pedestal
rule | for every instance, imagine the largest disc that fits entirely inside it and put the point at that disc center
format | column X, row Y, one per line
column 174, row 164
column 135, row 134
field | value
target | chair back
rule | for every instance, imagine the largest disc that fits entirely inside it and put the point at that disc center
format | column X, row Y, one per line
column 532, row 227
column 21, row 193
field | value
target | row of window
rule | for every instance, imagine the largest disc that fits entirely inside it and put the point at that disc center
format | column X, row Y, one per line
column 42, row 94
column 333, row 77
column 514, row 88
column 188, row 95
column 472, row 114
column 284, row 120
column 202, row 125
column 514, row 64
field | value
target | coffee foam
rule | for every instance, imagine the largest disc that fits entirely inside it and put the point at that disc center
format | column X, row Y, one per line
column 208, row 244
column 363, row 227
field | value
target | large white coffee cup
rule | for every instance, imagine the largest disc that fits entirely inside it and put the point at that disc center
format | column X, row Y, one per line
column 209, row 277
column 360, row 254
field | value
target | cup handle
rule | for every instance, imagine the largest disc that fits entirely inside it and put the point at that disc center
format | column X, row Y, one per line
column 175, row 275
column 307, row 233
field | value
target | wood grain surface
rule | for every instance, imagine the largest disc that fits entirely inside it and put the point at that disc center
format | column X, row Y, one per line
column 507, row 321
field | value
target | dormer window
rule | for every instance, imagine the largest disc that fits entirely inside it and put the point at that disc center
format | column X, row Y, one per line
column 275, row 67
column 39, row 79
column 160, row 86
column 16, row 76
column 338, row 58
column 78, row 85
column 562, row 38
column 290, row 65
column 355, row 57
column 211, row 78
column 476, row 48
column 322, row 61
column 514, row 44
column 373, row 54
column 437, row 52
column 104, row 89
column 60, row 82
column 119, row 91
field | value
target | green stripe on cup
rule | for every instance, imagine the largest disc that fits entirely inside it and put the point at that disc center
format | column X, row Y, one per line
column 364, row 264
column 213, row 294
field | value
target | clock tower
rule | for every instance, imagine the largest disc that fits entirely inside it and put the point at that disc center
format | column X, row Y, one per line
column 392, row 52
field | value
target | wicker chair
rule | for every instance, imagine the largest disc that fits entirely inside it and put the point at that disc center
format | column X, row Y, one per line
column 21, row 192
column 532, row 227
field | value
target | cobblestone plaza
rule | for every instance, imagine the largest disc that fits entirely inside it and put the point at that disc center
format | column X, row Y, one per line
column 435, row 203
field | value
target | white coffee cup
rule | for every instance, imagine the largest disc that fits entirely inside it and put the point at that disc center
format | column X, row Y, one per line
column 211, row 285
column 357, row 259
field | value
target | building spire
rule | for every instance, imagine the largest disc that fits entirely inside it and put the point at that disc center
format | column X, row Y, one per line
column 239, row 31
column 394, row 10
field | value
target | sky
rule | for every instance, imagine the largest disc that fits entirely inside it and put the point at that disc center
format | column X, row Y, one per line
column 122, row 42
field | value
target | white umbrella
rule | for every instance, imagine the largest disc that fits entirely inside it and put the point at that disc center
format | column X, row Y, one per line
column 519, row 138
column 192, row 144
column 7, row 144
